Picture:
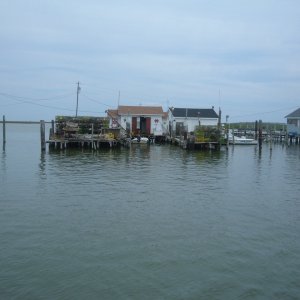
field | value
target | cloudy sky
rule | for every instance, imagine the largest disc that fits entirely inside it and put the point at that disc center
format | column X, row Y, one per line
column 242, row 56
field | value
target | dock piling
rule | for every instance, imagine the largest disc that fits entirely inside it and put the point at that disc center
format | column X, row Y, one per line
column 93, row 136
column 4, row 131
column 260, row 137
column 52, row 128
column 227, row 133
column 43, row 140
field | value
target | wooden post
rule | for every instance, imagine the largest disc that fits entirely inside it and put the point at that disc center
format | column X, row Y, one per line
column 219, row 129
column 260, row 134
column 227, row 140
column 4, row 131
column 227, row 131
column 255, row 129
column 92, row 135
column 52, row 128
column 43, row 140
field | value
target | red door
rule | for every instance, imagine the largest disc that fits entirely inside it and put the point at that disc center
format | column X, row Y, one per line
column 148, row 125
column 134, row 124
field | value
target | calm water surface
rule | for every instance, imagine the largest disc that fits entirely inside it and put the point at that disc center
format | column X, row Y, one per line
column 148, row 222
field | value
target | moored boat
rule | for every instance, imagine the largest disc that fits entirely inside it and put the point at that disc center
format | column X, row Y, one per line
column 140, row 140
column 236, row 140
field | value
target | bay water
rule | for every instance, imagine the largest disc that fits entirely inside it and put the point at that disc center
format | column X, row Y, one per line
column 149, row 222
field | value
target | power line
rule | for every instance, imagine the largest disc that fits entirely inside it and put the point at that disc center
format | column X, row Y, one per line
column 41, row 105
column 36, row 99
column 96, row 101
column 52, row 107
column 265, row 112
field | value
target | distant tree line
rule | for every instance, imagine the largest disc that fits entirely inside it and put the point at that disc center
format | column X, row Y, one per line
column 265, row 125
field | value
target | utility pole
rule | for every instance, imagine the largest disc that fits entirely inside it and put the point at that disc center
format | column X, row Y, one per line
column 78, row 90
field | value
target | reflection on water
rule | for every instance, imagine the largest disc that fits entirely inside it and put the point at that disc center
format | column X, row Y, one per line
column 3, row 164
column 149, row 222
column 42, row 163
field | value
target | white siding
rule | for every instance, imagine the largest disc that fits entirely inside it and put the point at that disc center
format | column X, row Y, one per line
column 125, row 119
column 156, row 125
column 165, row 126
column 294, row 126
column 191, row 123
column 291, row 128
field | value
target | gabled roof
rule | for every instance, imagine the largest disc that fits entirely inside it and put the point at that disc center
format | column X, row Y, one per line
column 294, row 114
column 165, row 115
column 113, row 113
column 140, row 110
column 194, row 113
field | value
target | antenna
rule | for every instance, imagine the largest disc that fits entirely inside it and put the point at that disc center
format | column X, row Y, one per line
column 119, row 96
column 78, row 90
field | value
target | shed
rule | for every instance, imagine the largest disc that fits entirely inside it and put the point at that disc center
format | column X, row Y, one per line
column 293, row 123
column 188, row 119
column 138, row 120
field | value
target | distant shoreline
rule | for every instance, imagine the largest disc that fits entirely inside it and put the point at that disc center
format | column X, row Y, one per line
column 23, row 122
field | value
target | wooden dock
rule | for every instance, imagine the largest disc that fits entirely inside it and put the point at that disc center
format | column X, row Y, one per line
column 93, row 133
column 204, row 138
column 95, row 142
column 83, row 132
column 193, row 145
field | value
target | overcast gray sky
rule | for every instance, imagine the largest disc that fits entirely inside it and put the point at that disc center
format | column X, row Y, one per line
column 242, row 56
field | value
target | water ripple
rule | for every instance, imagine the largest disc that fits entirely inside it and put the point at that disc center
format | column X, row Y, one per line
column 150, row 223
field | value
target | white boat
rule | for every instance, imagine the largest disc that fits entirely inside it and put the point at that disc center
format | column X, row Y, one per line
column 236, row 140
column 140, row 140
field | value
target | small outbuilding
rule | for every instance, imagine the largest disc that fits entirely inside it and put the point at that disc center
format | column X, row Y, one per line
column 293, row 123
column 138, row 120
column 188, row 119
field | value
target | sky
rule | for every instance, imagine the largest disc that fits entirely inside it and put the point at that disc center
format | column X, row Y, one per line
column 242, row 56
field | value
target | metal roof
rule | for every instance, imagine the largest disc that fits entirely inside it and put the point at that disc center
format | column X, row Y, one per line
column 194, row 113
column 294, row 114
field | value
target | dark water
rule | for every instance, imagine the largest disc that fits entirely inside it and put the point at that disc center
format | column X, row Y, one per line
column 148, row 223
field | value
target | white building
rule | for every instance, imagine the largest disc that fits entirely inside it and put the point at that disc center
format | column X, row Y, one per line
column 187, row 119
column 138, row 120
column 293, row 123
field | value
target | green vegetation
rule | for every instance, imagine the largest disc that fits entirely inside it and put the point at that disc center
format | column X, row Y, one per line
column 81, row 125
column 205, row 134
column 251, row 126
